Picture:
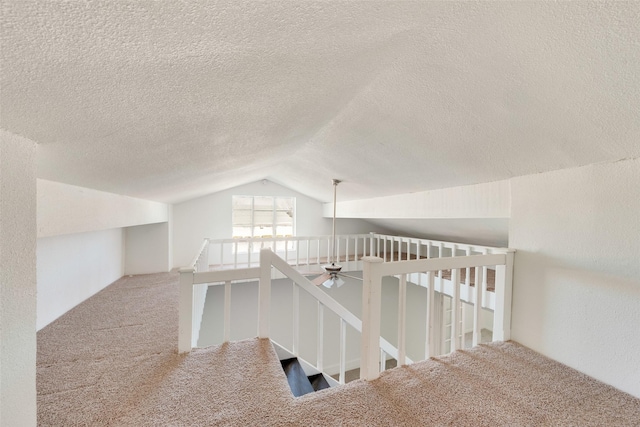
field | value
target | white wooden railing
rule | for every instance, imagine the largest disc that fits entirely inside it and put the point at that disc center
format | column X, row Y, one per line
column 200, row 263
column 190, row 280
column 375, row 269
column 307, row 254
column 417, row 261
column 300, row 251
column 297, row 251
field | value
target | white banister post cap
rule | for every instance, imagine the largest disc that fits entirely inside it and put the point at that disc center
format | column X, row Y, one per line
column 372, row 259
column 186, row 270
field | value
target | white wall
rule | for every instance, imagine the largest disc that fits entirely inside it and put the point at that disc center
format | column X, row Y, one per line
column 488, row 200
column 475, row 231
column 73, row 267
column 82, row 244
column 147, row 249
column 17, row 281
column 476, row 214
column 210, row 216
column 576, row 291
column 66, row 209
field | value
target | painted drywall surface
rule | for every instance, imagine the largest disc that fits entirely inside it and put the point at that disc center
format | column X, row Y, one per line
column 576, row 294
column 73, row 267
column 82, row 246
column 147, row 249
column 489, row 200
column 17, row 281
column 210, row 216
column 475, row 214
column 65, row 209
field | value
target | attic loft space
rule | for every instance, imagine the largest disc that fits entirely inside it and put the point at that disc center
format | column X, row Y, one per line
column 127, row 126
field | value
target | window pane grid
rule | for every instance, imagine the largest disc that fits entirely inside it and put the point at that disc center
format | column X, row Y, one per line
column 263, row 216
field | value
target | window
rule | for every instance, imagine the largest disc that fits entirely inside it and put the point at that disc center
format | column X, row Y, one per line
column 263, row 216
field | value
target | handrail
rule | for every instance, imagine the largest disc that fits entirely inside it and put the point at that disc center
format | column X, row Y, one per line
column 313, row 290
column 378, row 255
column 283, row 239
column 219, row 276
column 310, row 252
column 327, row 301
column 222, row 276
column 200, row 254
column 361, row 235
column 445, row 244
column 436, row 264
column 297, row 250
column 268, row 259
column 366, row 244
column 375, row 269
column 367, row 249
column 198, row 296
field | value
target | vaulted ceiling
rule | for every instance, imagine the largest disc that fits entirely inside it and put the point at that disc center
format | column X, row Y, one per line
column 169, row 100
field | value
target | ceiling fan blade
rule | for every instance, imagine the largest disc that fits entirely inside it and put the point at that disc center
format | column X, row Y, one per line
column 321, row 279
column 311, row 271
column 350, row 276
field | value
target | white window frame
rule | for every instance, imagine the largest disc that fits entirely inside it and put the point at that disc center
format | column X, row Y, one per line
column 243, row 248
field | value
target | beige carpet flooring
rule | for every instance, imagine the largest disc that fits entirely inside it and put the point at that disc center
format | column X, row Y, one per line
column 112, row 361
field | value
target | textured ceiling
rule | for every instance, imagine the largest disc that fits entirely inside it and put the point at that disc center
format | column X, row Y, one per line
column 169, row 100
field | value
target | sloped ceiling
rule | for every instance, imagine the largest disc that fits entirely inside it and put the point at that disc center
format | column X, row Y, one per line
column 169, row 100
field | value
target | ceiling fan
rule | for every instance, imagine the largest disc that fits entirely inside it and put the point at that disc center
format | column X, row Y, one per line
column 331, row 275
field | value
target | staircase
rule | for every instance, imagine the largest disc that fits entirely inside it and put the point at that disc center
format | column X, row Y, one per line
column 299, row 382
column 301, row 375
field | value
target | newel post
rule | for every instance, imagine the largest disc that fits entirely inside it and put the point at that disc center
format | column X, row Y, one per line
column 504, row 285
column 185, row 310
column 371, row 302
column 264, row 293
